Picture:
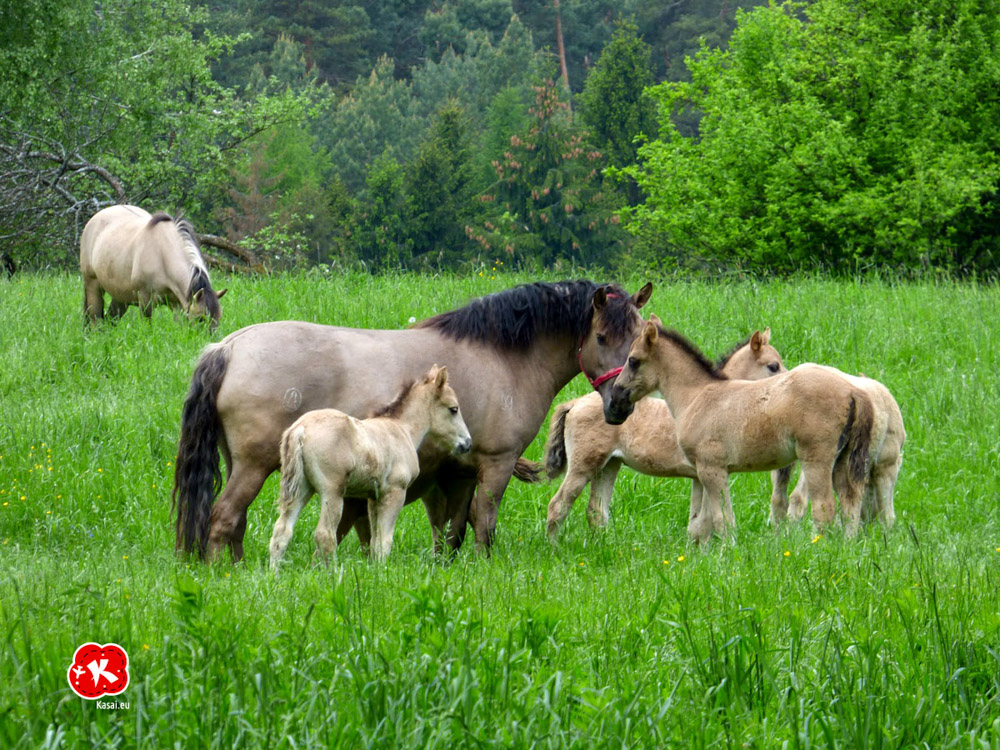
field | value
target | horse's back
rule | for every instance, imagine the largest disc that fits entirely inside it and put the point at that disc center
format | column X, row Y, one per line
column 107, row 247
column 359, row 455
column 280, row 370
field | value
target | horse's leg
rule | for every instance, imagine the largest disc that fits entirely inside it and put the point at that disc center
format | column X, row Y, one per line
column 436, row 504
column 799, row 499
column 382, row 515
column 602, row 488
column 93, row 300
column 116, row 309
column 851, row 497
column 228, row 520
column 819, row 491
column 779, row 494
column 885, row 485
column 331, row 508
column 494, row 475
column 716, row 506
column 146, row 304
column 697, row 498
column 290, row 504
column 355, row 516
column 562, row 502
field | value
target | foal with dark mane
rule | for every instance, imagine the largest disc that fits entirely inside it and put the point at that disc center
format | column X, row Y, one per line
column 508, row 354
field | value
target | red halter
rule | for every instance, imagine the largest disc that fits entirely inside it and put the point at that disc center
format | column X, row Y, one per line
column 596, row 382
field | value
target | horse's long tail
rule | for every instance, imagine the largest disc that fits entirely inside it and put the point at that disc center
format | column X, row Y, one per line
column 856, row 442
column 555, row 444
column 529, row 472
column 197, row 475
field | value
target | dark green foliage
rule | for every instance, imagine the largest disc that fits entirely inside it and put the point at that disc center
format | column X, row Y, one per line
column 381, row 236
column 439, row 183
column 547, row 204
column 447, row 26
column 855, row 134
column 614, row 105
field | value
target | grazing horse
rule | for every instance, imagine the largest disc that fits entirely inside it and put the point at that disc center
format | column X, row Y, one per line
column 333, row 454
column 508, row 354
column 144, row 260
column 888, row 436
column 592, row 451
column 725, row 426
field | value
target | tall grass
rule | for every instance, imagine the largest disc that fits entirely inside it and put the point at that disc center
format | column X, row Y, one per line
column 630, row 637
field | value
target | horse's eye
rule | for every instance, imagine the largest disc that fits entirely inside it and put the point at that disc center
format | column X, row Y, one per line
column 774, row 367
column 601, row 341
column 453, row 409
column 633, row 363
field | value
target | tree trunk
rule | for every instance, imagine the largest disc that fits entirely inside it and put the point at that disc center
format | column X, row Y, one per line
column 561, row 47
column 252, row 262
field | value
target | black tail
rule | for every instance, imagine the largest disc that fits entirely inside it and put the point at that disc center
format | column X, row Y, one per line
column 555, row 444
column 197, row 476
column 855, row 441
column 527, row 471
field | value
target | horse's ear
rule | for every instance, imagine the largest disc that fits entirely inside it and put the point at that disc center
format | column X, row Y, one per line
column 767, row 336
column 220, row 294
column 756, row 341
column 641, row 297
column 441, row 379
column 196, row 297
column 649, row 333
column 655, row 320
column 600, row 298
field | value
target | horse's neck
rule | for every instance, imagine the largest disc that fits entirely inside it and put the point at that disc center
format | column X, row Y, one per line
column 415, row 420
column 550, row 364
column 681, row 378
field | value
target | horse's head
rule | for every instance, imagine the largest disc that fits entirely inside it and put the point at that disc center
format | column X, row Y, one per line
column 754, row 360
column 447, row 428
column 614, row 323
column 637, row 378
column 203, row 301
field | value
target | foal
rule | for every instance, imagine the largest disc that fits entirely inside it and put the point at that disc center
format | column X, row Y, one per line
column 725, row 426
column 592, row 451
column 888, row 436
column 333, row 454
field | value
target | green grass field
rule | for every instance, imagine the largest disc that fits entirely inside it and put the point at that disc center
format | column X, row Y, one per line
column 631, row 637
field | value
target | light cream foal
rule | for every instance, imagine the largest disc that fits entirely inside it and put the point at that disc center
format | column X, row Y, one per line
column 333, row 454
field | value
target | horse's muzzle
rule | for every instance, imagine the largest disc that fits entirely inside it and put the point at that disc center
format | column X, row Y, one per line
column 617, row 406
column 464, row 447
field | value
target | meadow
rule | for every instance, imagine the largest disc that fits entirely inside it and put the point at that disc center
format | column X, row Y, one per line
column 629, row 637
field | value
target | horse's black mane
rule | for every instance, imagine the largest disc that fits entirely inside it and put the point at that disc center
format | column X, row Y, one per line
column 704, row 362
column 721, row 361
column 514, row 318
column 394, row 407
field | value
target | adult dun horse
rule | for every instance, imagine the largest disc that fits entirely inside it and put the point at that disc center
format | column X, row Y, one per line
column 581, row 443
column 508, row 355
column 332, row 454
column 145, row 260
column 726, row 426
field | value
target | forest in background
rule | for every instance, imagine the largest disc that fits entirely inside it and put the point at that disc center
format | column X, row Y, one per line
column 461, row 135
